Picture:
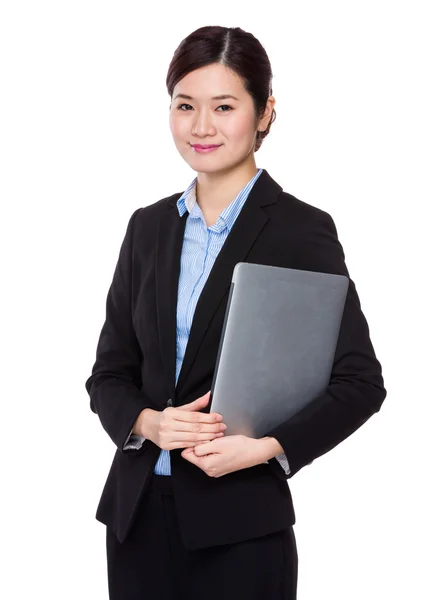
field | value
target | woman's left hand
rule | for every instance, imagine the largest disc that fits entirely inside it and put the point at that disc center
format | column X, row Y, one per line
column 224, row 455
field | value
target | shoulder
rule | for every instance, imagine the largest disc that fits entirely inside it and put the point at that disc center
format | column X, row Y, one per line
column 152, row 212
column 303, row 214
column 313, row 234
column 147, row 216
column 142, row 224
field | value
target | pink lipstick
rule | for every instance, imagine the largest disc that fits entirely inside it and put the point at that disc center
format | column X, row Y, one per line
column 203, row 148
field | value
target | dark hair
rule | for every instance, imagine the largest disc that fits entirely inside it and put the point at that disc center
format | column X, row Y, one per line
column 234, row 48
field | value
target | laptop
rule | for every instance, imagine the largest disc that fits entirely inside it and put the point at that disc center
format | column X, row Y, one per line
column 277, row 345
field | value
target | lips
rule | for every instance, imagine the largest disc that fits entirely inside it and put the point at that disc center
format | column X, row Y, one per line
column 206, row 146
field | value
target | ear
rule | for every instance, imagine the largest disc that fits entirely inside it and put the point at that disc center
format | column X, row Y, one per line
column 264, row 120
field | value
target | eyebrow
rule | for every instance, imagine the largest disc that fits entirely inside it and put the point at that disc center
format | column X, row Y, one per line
column 221, row 97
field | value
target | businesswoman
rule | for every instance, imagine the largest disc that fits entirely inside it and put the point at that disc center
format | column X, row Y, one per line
column 190, row 512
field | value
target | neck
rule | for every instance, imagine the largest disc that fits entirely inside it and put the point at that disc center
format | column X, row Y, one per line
column 215, row 191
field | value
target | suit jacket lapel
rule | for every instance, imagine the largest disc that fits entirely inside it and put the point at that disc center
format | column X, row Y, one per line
column 241, row 238
column 167, row 271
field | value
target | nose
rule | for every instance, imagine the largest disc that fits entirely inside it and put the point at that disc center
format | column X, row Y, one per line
column 203, row 123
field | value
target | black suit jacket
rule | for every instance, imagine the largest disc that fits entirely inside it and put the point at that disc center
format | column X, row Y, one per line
column 136, row 360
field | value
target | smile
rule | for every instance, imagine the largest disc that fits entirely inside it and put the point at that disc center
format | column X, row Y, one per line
column 204, row 149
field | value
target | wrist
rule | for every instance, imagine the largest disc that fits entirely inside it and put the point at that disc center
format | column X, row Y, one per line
column 142, row 424
column 269, row 448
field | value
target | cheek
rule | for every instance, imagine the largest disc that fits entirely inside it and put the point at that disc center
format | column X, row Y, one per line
column 241, row 127
column 177, row 128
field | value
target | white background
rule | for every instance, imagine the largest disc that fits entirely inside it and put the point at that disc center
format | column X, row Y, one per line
column 84, row 141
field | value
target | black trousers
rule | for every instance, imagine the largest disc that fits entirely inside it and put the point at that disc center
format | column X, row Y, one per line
column 153, row 564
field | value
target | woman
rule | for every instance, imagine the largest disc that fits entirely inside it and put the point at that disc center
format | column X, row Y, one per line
column 190, row 512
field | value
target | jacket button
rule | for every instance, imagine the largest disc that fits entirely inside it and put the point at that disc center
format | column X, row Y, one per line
column 169, row 402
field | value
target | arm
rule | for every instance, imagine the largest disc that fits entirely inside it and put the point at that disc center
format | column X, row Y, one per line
column 356, row 388
column 270, row 448
column 115, row 385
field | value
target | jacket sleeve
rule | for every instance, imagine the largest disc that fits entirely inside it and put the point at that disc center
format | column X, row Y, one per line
column 356, row 387
column 134, row 442
column 115, row 385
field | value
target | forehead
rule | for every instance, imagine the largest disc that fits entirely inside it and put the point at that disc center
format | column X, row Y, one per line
column 209, row 81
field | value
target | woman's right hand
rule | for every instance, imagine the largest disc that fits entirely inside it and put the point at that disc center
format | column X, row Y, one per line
column 183, row 426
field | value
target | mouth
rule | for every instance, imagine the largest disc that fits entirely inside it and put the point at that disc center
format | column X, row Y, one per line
column 204, row 148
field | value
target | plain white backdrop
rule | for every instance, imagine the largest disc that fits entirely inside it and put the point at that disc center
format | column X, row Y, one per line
column 84, row 141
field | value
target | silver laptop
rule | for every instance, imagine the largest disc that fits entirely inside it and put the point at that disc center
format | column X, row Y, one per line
column 277, row 345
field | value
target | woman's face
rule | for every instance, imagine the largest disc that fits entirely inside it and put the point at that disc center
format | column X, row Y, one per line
column 197, row 118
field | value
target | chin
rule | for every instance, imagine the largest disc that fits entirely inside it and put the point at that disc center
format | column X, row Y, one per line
column 202, row 167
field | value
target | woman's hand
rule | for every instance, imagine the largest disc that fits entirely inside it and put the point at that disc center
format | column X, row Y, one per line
column 183, row 426
column 230, row 453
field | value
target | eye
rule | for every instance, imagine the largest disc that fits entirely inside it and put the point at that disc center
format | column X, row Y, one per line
column 221, row 106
